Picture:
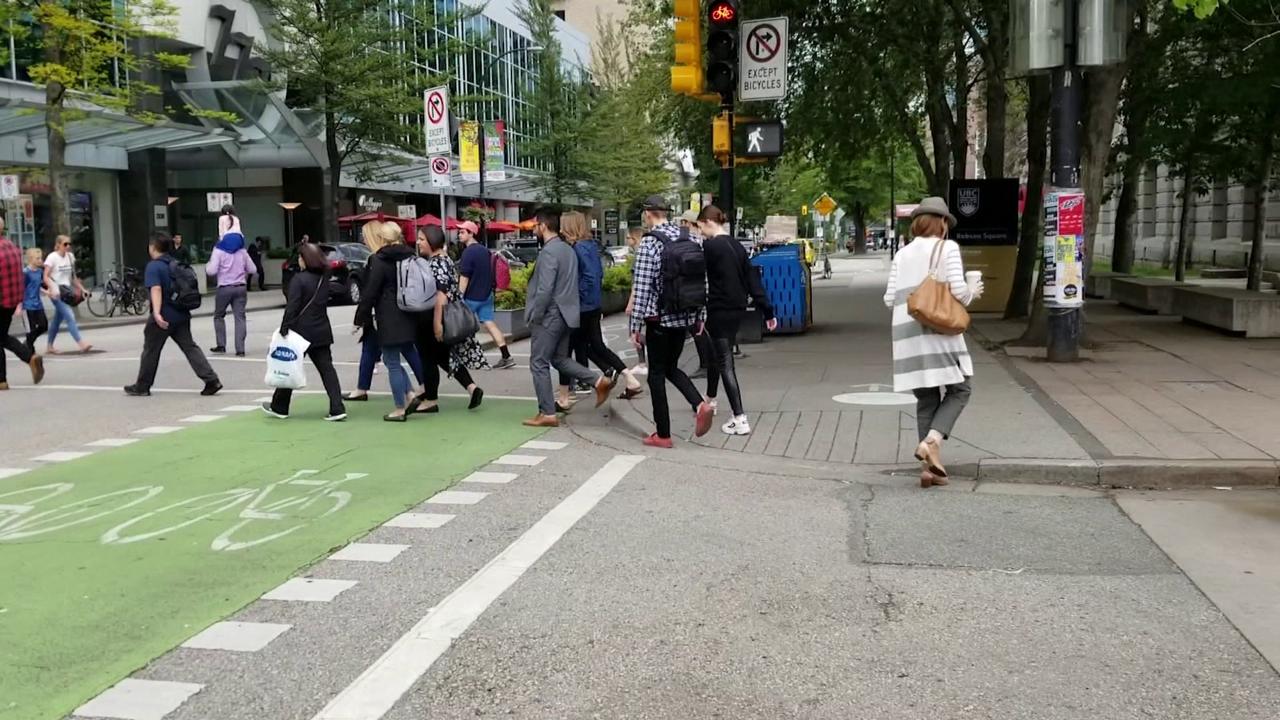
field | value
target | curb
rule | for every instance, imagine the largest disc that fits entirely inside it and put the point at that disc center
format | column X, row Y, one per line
column 142, row 319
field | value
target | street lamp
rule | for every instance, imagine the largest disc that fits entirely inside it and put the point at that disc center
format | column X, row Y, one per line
column 480, row 139
column 290, row 207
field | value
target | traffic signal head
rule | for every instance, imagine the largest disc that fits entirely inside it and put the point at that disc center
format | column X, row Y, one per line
column 686, row 74
column 722, row 47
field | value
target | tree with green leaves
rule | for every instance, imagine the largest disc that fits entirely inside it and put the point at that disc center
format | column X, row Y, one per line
column 556, row 108
column 362, row 65
column 92, row 55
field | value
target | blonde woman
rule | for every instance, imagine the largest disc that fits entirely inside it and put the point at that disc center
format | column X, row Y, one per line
column 936, row 368
column 60, row 277
column 378, row 312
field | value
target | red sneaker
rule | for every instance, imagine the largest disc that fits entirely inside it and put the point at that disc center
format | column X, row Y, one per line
column 655, row 441
column 705, row 414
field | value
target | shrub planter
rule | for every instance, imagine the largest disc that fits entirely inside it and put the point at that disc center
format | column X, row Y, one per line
column 512, row 323
column 613, row 302
column 273, row 271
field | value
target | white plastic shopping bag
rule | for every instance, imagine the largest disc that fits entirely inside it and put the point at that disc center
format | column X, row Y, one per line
column 284, row 361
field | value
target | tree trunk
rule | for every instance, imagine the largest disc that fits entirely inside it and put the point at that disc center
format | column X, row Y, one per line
column 1124, row 239
column 1266, row 158
column 332, row 178
column 996, row 91
column 1184, row 216
column 939, row 121
column 56, row 127
column 859, row 229
column 1102, row 102
column 1030, row 233
column 960, row 129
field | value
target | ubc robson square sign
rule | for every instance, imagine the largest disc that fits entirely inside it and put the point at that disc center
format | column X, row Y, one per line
column 763, row 58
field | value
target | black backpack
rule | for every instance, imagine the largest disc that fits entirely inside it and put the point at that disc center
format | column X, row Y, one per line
column 684, row 275
column 184, row 287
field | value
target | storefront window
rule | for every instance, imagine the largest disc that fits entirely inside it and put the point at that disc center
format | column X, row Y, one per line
column 29, row 218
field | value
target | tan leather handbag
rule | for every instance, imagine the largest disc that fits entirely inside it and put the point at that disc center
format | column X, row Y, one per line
column 932, row 304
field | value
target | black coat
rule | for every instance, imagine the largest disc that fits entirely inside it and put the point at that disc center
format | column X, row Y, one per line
column 307, row 311
column 378, row 302
column 731, row 277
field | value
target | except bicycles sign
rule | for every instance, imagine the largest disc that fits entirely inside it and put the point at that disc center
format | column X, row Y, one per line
column 764, row 59
column 435, row 107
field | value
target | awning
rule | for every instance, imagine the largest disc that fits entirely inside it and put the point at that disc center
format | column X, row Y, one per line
column 499, row 226
column 98, row 127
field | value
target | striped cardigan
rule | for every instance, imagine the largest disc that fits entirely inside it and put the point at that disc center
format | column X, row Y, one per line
column 923, row 358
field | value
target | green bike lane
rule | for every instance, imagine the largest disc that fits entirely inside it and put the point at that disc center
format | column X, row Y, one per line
column 115, row 558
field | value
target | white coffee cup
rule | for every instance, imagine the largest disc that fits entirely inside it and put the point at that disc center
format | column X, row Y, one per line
column 973, row 279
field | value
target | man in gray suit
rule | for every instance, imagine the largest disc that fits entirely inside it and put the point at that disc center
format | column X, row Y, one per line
column 551, row 311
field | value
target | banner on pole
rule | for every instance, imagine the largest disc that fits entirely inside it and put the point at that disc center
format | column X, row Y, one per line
column 495, row 169
column 469, row 151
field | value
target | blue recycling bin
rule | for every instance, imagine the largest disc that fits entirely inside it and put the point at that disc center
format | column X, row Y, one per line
column 786, row 281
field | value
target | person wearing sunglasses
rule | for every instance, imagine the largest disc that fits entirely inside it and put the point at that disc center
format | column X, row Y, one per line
column 60, row 271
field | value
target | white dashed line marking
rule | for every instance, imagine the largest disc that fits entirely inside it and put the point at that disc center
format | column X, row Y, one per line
column 527, row 460
column 10, row 472
column 62, row 456
column 309, row 590
column 157, row 430
column 201, row 418
column 492, row 478
column 544, row 445
column 237, row 636
column 369, row 552
column 112, row 442
column 418, row 521
column 238, row 408
column 457, row 497
column 132, row 699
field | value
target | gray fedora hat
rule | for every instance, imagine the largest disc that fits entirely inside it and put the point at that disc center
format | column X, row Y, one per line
column 934, row 206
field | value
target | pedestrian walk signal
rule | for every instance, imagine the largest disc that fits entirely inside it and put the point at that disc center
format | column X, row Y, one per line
column 686, row 74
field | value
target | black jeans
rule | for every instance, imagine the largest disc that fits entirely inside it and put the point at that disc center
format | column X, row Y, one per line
column 12, row 344
column 664, row 346
column 436, row 357
column 722, row 327
column 153, row 339
column 706, row 353
column 37, row 325
column 588, row 343
column 322, row 357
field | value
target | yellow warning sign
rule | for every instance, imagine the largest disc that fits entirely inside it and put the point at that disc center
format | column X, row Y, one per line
column 825, row 205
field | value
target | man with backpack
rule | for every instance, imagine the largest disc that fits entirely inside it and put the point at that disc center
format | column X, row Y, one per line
column 670, row 288
column 174, row 293
column 481, row 274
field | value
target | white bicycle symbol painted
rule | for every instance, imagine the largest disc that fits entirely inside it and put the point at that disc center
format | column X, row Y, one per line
column 261, row 509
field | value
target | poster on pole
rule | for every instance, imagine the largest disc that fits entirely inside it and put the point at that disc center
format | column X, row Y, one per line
column 495, row 169
column 1064, row 249
column 469, row 152
column 435, row 108
column 8, row 187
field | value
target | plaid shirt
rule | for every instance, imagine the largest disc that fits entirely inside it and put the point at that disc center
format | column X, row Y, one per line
column 11, row 279
column 647, row 282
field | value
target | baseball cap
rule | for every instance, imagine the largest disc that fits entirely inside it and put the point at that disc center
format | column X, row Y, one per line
column 656, row 202
column 689, row 216
column 469, row 226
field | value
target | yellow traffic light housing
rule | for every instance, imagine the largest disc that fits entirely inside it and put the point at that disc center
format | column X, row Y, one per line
column 687, row 73
column 721, row 142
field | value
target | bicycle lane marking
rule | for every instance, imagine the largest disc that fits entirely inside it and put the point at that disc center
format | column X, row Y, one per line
column 198, row 524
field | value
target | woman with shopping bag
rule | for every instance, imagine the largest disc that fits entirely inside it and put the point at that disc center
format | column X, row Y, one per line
column 927, row 292
column 306, row 318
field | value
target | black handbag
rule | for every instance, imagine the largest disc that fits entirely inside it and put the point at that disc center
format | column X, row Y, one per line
column 70, row 295
column 460, row 324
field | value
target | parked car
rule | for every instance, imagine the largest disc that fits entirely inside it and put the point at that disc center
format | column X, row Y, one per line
column 347, row 262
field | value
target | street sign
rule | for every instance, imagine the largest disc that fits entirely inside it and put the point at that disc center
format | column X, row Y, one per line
column 763, row 59
column 160, row 216
column 763, row 138
column 407, row 212
column 436, row 110
column 610, row 222
column 8, row 187
column 441, row 171
column 825, row 205
column 215, row 201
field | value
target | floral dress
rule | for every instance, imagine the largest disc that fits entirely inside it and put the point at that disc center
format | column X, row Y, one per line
column 465, row 354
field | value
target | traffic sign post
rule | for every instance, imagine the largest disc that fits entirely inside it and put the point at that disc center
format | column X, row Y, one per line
column 763, row 68
column 435, row 110
column 825, row 205
column 441, row 171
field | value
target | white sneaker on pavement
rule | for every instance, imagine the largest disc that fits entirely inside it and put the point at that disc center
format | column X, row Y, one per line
column 737, row 426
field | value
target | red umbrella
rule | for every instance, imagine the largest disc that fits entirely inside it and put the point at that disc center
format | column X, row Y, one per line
column 499, row 226
column 427, row 219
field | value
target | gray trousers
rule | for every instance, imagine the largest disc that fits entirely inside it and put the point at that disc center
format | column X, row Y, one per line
column 236, row 296
column 934, row 411
column 549, row 346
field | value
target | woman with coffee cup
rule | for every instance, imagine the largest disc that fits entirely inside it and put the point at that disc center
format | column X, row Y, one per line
column 935, row 367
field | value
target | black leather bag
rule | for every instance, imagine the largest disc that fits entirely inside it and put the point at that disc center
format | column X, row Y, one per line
column 459, row 322
column 70, row 295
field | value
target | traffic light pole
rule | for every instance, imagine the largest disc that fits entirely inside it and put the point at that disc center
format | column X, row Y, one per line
column 726, row 172
column 1065, row 324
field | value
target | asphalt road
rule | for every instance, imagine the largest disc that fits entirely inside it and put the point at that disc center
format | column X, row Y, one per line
column 607, row 581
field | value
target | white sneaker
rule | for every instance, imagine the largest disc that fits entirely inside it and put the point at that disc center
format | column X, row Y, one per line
column 640, row 371
column 737, row 426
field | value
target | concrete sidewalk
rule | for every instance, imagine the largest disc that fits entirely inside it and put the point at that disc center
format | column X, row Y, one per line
column 826, row 397
column 269, row 299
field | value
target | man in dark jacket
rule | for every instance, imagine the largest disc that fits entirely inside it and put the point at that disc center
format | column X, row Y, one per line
column 255, row 254
column 307, row 314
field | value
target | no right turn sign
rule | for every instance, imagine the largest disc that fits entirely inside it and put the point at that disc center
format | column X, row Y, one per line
column 763, row 59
